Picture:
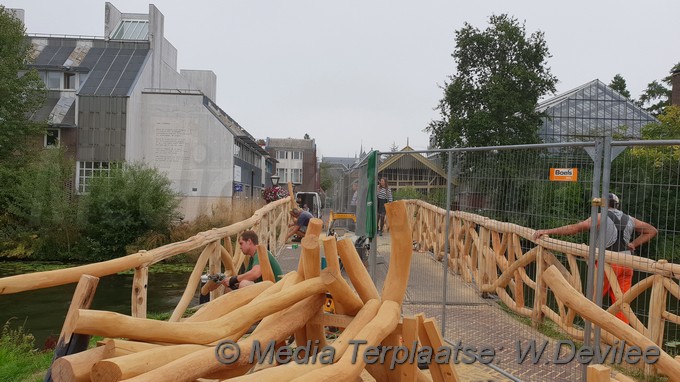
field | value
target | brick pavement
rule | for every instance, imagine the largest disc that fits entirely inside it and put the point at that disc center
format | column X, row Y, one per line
column 470, row 319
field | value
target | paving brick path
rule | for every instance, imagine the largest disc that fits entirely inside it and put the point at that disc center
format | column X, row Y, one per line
column 469, row 319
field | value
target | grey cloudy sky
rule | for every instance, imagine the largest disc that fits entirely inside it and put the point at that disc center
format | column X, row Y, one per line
column 368, row 72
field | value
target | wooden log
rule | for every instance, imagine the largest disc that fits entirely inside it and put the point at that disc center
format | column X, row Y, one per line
column 131, row 365
column 311, row 260
column 204, row 362
column 314, row 227
column 127, row 367
column 229, row 302
column 657, row 305
column 265, row 265
column 310, row 256
column 273, row 329
column 76, row 367
column 588, row 310
column 226, row 252
column 429, row 336
column 392, row 341
column 409, row 370
column 293, row 370
column 343, row 294
column 139, row 291
column 108, row 324
column 398, row 272
column 356, row 271
column 330, row 249
column 194, row 279
column 123, row 347
column 375, row 331
column 541, row 294
column 47, row 279
column 336, row 320
column 598, row 373
column 71, row 342
column 214, row 267
column 506, row 276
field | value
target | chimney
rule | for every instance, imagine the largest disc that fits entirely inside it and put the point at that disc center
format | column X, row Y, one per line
column 675, row 86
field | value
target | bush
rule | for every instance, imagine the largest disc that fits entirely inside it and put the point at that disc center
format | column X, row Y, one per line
column 41, row 217
column 406, row 193
column 121, row 208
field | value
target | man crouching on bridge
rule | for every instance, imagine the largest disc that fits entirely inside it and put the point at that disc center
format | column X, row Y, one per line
column 248, row 242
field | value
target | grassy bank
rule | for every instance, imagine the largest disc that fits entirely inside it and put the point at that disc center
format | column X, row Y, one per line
column 19, row 361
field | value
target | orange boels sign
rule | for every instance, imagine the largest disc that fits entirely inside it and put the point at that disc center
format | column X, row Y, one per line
column 563, row 174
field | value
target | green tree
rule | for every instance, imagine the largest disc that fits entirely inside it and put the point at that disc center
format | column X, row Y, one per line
column 619, row 84
column 22, row 91
column 44, row 210
column 648, row 181
column 326, row 178
column 21, row 94
column 658, row 94
column 491, row 100
column 123, row 207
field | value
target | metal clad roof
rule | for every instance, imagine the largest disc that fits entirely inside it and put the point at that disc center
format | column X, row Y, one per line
column 62, row 55
column 114, row 72
column 93, row 55
column 43, row 113
column 46, row 55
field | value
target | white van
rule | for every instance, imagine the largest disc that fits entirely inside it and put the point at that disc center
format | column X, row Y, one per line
column 309, row 201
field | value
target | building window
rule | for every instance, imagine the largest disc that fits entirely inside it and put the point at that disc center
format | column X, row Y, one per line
column 70, row 81
column 53, row 80
column 88, row 170
column 297, row 155
column 280, row 154
column 52, row 138
column 281, row 172
column 296, row 175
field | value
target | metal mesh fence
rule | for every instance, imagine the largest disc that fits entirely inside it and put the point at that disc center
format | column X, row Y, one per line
column 496, row 198
column 647, row 182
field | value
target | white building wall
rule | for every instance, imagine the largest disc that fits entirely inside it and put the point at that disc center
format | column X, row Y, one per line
column 186, row 141
column 203, row 80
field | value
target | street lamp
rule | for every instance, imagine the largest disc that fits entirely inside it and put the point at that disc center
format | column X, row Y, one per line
column 275, row 180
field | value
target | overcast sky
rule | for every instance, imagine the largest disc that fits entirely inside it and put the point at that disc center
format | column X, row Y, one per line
column 369, row 72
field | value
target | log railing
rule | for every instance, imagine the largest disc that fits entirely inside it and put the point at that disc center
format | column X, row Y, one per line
column 269, row 222
column 489, row 254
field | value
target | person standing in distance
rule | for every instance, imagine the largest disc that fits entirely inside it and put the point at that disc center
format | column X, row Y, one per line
column 619, row 238
column 384, row 196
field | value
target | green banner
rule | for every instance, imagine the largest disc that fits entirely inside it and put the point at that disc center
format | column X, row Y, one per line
column 371, row 220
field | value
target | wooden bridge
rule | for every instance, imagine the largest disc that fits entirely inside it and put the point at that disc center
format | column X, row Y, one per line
column 486, row 256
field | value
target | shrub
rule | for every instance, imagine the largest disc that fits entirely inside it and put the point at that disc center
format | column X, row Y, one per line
column 119, row 209
column 406, row 193
column 41, row 219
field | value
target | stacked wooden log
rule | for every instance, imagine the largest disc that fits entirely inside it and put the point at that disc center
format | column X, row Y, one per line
column 138, row 349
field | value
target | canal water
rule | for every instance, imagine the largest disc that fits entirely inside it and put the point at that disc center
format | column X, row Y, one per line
column 42, row 312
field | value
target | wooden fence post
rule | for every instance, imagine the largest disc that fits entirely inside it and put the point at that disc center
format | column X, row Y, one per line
column 540, row 292
column 657, row 305
column 140, row 283
column 70, row 343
